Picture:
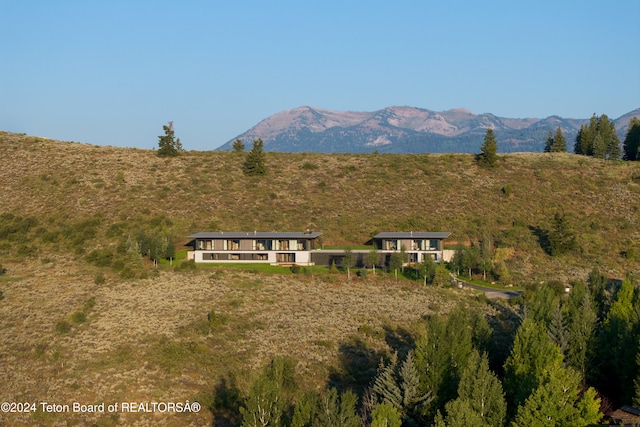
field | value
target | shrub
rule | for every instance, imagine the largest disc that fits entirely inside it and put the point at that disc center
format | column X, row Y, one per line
column 78, row 317
column 62, row 327
column 99, row 280
column 187, row 265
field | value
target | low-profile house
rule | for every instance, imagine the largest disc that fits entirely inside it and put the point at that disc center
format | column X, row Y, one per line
column 254, row 247
column 417, row 244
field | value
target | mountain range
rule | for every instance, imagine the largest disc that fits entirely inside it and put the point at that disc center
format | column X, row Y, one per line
column 407, row 130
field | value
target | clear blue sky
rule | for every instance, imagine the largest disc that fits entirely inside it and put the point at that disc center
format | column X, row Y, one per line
column 113, row 72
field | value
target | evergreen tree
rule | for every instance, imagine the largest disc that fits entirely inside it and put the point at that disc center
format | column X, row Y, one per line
column 581, row 326
column 558, row 401
column 385, row 415
column 337, row 409
column 442, row 352
column 265, row 404
column 531, row 355
column 548, row 143
column 399, row 386
column 488, row 151
column 598, row 139
column 562, row 239
column 305, row 410
column 168, row 145
column 238, row 146
column 480, row 400
column 254, row 164
column 631, row 144
column 559, row 142
column 619, row 344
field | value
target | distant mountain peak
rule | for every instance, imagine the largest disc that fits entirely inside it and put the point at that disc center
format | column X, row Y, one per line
column 405, row 129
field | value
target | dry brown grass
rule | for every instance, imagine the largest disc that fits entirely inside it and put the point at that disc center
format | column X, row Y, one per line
column 143, row 340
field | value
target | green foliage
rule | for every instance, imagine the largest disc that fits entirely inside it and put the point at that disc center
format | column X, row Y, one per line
column 598, row 139
column 442, row 352
column 385, row 415
column 168, row 145
column 581, row 321
column 562, row 238
column 631, row 144
column 254, row 164
column 348, row 261
column 619, row 342
column 266, row 403
column 556, row 143
column 99, row 279
column 488, row 151
column 427, row 269
column 238, row 146
column 78, row 317
column 373, row 258
column 63, row 327
column 337, row 409
column 395, row 262
column 531, row 355
column 399, row 386
column 480, row 400
column 558, row 401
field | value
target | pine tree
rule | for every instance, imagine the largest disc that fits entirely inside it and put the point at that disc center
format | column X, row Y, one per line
column 559, row 142
column 581, row 326
column 254, row 164
column 598, row 139
column 562, row 239
column 619, row 343
column 558, row 401
column 631, row 144
column 385, row 415
column 548, row 143
column 480, row 400
column 238, row 146
column 337, row 409
column 167, row 144
column 488, row 151
column 531, row 355
column 400, row 387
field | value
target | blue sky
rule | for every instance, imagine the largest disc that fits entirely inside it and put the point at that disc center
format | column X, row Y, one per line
column 113, row 72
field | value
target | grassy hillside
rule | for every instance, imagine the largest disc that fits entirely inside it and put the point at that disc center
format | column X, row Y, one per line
column 75, row 328
column 80, row 197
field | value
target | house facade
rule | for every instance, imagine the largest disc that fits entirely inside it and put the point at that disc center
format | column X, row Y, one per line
column 288, row 248
column 253, row 247
column 417, row 245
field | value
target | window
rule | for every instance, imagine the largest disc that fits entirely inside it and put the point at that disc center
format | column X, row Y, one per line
column 391, row 245
column 231, row 245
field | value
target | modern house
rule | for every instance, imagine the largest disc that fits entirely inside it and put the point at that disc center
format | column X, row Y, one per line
column 299, row 248
column 254, row 247
column 417, row 245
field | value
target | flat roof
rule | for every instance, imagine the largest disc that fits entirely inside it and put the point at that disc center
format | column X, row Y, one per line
column 412, row 235
column 255, row 235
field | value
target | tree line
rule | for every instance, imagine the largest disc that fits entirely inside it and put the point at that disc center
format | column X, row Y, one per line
column 597, row 139
column 547, row 359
